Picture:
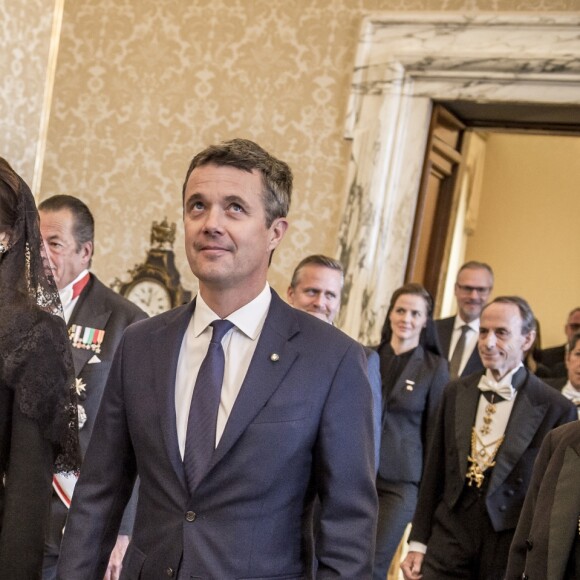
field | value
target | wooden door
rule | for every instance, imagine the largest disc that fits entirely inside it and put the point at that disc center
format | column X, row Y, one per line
column 436, row 201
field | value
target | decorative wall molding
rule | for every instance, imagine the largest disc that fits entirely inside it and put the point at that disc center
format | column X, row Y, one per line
column 404, row 61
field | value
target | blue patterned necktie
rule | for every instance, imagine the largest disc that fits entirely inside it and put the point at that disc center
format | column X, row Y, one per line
column 205, row 401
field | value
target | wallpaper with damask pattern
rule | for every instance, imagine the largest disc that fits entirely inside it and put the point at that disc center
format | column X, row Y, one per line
column 25, row 29
column 142, row 85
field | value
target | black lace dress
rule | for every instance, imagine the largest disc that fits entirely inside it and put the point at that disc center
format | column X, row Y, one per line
column 38, row 424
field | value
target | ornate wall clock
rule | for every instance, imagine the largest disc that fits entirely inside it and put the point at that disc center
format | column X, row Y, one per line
column 155, row 285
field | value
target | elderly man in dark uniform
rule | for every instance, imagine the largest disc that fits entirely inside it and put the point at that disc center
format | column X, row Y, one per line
column 96, row 319
column 479, row 467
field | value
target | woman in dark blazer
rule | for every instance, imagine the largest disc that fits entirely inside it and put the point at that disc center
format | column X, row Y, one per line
column 413, row 374
column 38, row 411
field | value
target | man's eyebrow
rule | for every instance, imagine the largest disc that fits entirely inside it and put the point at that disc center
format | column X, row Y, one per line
column 236, row 199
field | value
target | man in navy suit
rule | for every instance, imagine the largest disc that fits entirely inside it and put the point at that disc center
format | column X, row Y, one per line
column 293, row 419
column 458, row 334
column 316, row 287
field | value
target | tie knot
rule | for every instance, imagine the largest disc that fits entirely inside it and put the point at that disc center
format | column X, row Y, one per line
column 220, row 329
column 464, row 329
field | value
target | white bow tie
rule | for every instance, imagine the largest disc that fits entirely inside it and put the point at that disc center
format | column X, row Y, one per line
column 571, row 393
column 504, row 390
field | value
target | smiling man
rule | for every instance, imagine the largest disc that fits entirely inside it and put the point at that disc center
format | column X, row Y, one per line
column 235, row 411
column 458, row 334
column 316, row 287
column 488, row 433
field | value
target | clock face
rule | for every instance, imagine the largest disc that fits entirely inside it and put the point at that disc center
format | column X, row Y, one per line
column 150, row 295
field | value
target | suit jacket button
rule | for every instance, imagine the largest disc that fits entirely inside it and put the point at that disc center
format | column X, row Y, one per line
column 525, row 576
column 502, row 508
column 529, row 544
column 509, row 492
column 190, row 516
column 519, row 481
column 170, row 572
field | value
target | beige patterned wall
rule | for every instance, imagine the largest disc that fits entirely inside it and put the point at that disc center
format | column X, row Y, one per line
column 25, row 29
column 142, row 85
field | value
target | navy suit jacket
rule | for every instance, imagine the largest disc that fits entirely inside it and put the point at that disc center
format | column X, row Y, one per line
column 444, row 328
column 301, row 426
column 548, row 526
column 537, row 409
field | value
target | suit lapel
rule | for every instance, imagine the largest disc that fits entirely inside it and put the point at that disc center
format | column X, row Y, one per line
column 264, row 374
column 166, row 343
column 466, row 402
column 88, row 313
column 445, row 335
column 564, row 514
column 409, row 376
column 523, row 423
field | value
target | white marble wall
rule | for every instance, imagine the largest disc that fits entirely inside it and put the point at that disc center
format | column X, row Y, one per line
column 404, row 61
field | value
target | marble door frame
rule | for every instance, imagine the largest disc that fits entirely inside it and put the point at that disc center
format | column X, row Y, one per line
column 404, row 61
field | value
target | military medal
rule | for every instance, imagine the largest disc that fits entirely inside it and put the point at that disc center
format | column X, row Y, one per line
column 86, row 337
column 81, row 390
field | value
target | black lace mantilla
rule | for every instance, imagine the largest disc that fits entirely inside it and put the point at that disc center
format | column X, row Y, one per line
column 34, row 346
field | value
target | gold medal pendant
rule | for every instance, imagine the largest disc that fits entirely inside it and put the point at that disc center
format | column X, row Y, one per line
column 481, row 458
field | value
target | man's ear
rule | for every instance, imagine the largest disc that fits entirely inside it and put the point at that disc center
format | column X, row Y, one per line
column 86, row 252
column 290, row 295
column 529, row 340
column 277, row 231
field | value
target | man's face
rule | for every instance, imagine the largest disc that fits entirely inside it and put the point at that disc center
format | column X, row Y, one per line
column 68, row 260
column 573, row 365
column 501, row 344
column 472, row 290
column 573, row 325
column 226, row 239
column 317, row 291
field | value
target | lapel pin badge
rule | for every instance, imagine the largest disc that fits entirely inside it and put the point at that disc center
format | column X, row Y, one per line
column 409, row 384
column 274, row 357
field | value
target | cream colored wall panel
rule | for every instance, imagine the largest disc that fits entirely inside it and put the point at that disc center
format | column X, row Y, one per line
column 25, row 29
column 142, row 85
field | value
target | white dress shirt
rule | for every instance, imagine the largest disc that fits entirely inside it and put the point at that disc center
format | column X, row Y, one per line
column 239, row 345
column 66, row 299
column 470, row 339
column 572, row 394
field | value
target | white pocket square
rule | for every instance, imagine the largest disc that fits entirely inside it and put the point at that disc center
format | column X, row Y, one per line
column 94, row 359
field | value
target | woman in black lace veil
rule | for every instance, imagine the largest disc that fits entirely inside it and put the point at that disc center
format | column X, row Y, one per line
column 38, row 411
column 413, row 375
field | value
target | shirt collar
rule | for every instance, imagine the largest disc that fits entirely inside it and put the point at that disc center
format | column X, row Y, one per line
column 474, row 324
column 67, row 292
column 249, row 318
column 507, row 380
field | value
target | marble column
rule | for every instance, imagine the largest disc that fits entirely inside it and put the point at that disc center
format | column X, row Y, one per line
column 404, row 62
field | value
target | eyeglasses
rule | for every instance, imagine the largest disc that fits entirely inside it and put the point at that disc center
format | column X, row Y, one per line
column 472, row 289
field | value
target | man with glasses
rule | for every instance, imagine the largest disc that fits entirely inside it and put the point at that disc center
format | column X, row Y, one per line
column 458, row 334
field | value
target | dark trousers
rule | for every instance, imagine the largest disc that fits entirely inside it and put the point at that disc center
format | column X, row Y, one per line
column 397, row 502
column 463, row 543
column 58, row 514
